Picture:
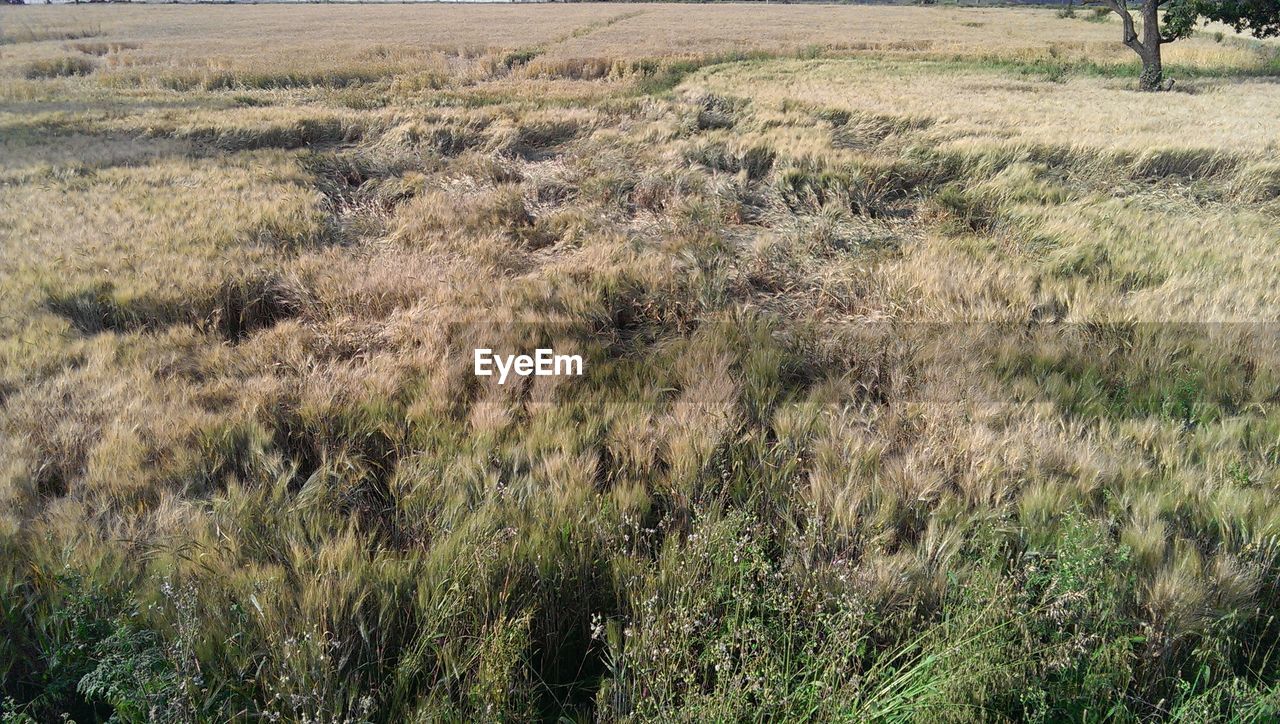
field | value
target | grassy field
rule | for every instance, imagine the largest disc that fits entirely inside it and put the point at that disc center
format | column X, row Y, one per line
column 930, row 369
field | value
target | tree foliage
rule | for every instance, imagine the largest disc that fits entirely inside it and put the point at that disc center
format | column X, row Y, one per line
column 1260, row 18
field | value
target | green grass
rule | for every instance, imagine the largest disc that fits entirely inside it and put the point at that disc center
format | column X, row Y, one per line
column 1057, row 70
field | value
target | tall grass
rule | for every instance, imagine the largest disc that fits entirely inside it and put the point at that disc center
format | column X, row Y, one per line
column 894, row 407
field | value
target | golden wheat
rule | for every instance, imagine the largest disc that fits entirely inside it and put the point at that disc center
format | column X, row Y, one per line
column 896, row 319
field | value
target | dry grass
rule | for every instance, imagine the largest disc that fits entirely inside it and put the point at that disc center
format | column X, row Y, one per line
column 970, row 109
column 929, row 370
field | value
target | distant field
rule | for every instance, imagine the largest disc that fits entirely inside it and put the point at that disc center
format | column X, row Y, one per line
column 248, row 34
column 930, row 369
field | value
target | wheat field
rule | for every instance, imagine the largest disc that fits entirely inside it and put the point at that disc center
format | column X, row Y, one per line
column 929, row 368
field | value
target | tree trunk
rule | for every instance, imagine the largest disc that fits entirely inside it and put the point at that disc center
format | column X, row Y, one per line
column 1152, row 78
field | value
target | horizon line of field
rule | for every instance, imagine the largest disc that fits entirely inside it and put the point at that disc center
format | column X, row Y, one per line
column 898, row 3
